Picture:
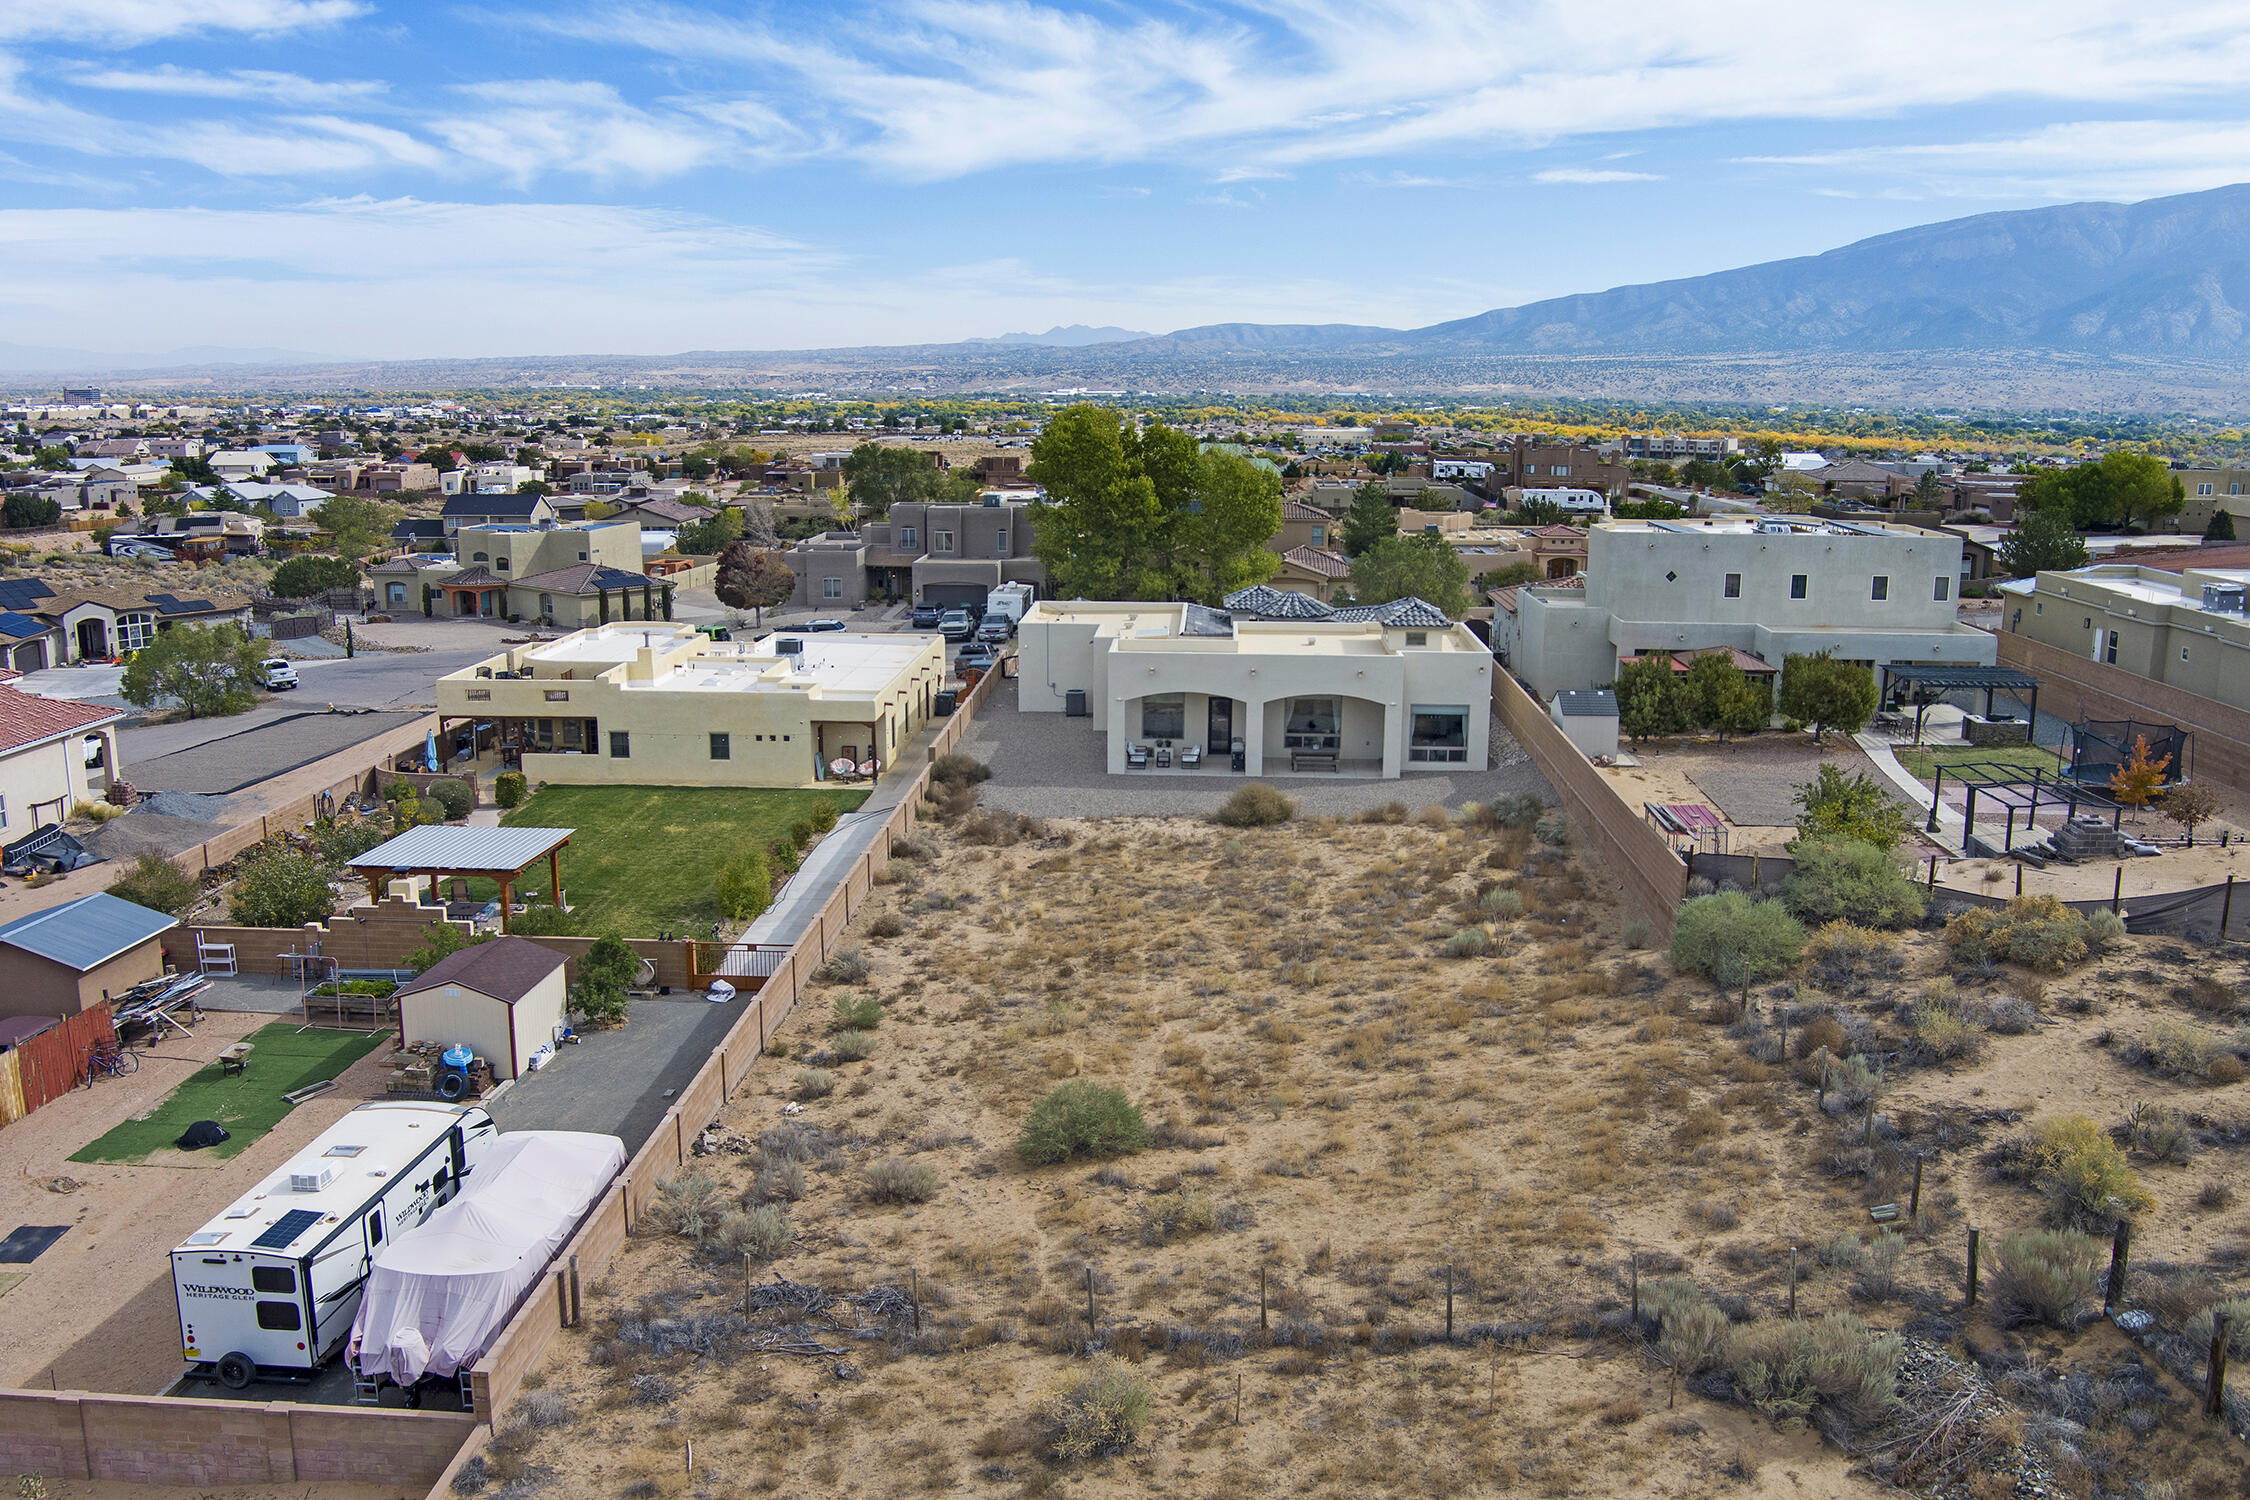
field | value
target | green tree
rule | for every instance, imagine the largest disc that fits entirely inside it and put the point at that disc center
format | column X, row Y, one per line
column 158, row 884
column 2221, row 528
column 745, row 885
column 1848, row 880
column 2044, row 541
column 1826, row 693
column 1371, row 519
column 57, row 459
column 209, row 670
column 1929, row 491
column 440, row 458
column 193, row 470
column 535, row 487
column 1735, row 941
column 708, row 538
column 1723, row 697
column 358, row 524
column 603, row 975
column 22, row 511
column 1835, row 806
column 275, row 886
column 753, row 578
column 1513, row 575
column 2141, row 488
column 1423, row 566
column 880, row 475
column 1651, row 699
column 308, row 574
column 1218, row 539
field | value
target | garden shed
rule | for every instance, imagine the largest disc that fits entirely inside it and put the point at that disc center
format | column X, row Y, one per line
column 502, row 999
column 70, row 958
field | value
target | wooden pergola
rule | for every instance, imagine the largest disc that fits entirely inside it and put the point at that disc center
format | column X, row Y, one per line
column 438, row 850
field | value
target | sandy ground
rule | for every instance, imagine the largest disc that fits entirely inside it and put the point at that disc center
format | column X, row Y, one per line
column 1667, row 772
column 2173, row 870
column 95, row 1313
column 93, row 1489
column 1341, row 1114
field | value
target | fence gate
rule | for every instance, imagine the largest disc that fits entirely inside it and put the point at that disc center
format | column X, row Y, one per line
column 746, row 966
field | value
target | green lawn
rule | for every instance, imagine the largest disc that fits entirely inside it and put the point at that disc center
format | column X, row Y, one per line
column 1923, row 763
column 644, row 859
column 249, row 1103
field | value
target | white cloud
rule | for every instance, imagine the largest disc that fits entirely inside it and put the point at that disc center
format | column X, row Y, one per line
column 133, row 21
column 241, row 83
column 2105, row 158
column 1593, row 175
column 528, row 129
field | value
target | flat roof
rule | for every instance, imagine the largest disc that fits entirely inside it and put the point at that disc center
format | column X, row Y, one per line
column 1768, row 525
column 835, row 662
column 450, row 850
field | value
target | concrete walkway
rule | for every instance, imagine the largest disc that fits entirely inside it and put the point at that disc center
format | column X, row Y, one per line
column 1950, row 831
column 825, row 869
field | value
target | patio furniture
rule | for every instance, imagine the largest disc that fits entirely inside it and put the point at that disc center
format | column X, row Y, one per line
column 214, row 958
column 867, row 770
column 1164, row 756
column 1312, row 760
column 1191, row 755
column 1136, row 757
column 235, row 1059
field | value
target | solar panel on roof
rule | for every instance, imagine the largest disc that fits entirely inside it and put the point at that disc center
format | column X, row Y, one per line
column 284, row 1230
column 22, row 593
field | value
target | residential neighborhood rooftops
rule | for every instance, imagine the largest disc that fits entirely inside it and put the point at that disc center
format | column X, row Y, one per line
column 507, row 969
column 850, row 665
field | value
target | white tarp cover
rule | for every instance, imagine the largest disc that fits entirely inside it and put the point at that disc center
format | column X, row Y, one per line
column 439, row 1293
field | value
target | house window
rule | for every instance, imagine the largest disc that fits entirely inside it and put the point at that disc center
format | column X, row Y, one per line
column 2203, row 489
column 135, row 631
column 1797, row 585
column 558, row 695
column 721, row 747
column 941, row 541
column 832, row 588
column 909, row 536
column 502, row 565
column 482, row 557
column 1000, row 541
column 1417, row 637
column 1440, row 733
column 1311, row 724
column 1944, row 589
column 620, row 745
column 1164, row 716
column 1734, row 585
column 2109, row 652
column 2183, row 653
column 398, row 593
column 1882, row 588
column 1320, row 536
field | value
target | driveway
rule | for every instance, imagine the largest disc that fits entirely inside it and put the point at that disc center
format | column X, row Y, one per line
column 620, row 1082
column 242, row 756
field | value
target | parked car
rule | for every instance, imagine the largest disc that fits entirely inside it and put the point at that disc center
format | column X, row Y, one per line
column 996, row 629
column 955, row 625
column 276, row 675
column 817, row 626
column 926, row 616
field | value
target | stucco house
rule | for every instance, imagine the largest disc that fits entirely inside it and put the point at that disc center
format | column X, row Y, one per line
column 53, row 753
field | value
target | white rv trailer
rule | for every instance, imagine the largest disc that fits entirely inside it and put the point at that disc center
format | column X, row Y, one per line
column 271, row 1285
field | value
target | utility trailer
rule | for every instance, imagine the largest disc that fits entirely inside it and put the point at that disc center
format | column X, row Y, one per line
column 270, row 1286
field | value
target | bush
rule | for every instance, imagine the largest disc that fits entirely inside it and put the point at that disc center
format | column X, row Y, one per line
column 1735, row 942
column 2038, row 932
column 815, row 1083
column 845, row 966
column 2104, row 930
column 546, row 921
column 445, row 941
column 2237, row 1310
column 745, row 886
column 1505, row 905
column 2081, row 1170
column 1081, row 1119
column 1255, row 806
column 781, row 857
column 1788, row 1368
column 1846, row 959
column 94, row 812
column 158, row 884
column 824, row 815
column 856, row 1013
column 1552, row 829
column 852, row 1046
column 1835, row 880
column 689, row 1206
column 801, row 832
column 1635, row 933
column 2045, row 1276
column 277, row 887
column 913, row 846
column 1936, row 1032
column 1098, row 1413
column 960, row 770
column 341, row 843
column 508, row 788
column 762, row 1233
column 1469, row 942
column 454, row 796
column 1878, row 1268
column 2183, row 1050
column 1166, row 1217
column 896, row 1181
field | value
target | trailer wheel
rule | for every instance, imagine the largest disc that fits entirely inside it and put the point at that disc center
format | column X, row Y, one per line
column 451, row 1086
column 237, row 1370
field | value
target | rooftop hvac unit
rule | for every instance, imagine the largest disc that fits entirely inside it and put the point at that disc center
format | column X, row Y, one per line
column 2226, row 598
column 789, row 645
column 312, row 1182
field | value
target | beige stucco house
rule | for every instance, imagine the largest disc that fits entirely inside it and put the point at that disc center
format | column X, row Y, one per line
column 52, row 753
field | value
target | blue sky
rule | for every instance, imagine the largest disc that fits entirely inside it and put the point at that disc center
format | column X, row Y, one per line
column 370, row 178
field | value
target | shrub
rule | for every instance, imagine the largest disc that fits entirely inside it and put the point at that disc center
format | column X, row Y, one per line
column 852, row 1046
column 744, row 888
column 1735, row 942
column 508, row 788
column 1255, row 806
column 454, row 796
column 781, row 857
column 278, row 887
column 1635, row 933
column 1081, row 1119
column 913, row 846
column 545, row 921
column 801, row 832
column 1469, row 942
column 1852, row 1082
column 1851, row 809
column 960, row 770
column 158, row 884
column 888, row 925
column 688, row 1205
column 845, row 966
column 762, row 1233
column 1819, row 1032
column 1878, row 1268
column 1847, row 959
column 1505, row 905
column 815, row 1083
column 2046, row 1275
column 2237, row 1310
column 2104, row 930
column 1834, row 880
column 1169, row 1216
column 94, row 812
column 2081, row 1170
column 2038, row 932
column 824, row 815
column 1938, row 1033
column 1552, row 829
column 340, row 843
column 1098, row 1413
column 2183, row 1050
column 895, row 1181
column 856, row 1013
column 1788, row 1368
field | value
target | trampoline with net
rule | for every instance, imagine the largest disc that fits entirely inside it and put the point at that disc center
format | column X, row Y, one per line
column 2100, row 747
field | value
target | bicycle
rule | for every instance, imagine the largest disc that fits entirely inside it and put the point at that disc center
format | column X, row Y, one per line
column 109, row 1060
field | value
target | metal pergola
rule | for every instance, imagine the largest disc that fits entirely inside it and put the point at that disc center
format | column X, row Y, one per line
column 1928, row 684
column 2017, row 790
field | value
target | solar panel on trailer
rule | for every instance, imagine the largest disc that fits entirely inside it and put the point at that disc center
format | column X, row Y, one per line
column 285, row 1229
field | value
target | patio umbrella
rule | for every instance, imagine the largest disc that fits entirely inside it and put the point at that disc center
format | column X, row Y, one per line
column 429, row 752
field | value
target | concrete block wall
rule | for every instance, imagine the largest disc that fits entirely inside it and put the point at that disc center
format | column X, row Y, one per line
column 2076, row 687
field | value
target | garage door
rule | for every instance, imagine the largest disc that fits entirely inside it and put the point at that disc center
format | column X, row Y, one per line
column 31, row 656
column 954, row 595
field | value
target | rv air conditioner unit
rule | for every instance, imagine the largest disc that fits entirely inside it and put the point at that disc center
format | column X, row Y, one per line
column 312, row 1182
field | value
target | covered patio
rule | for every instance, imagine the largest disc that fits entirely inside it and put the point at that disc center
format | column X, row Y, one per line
column 439, row 850
column 1924, row 685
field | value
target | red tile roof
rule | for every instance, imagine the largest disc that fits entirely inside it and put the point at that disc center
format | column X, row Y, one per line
column 1297, row 510
column 28, row 719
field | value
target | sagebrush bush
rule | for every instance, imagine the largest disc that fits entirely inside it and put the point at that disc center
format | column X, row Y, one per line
column 1079, row 1118
column 1835, row 880
column 688, row 1205
column 852, row 1046
column 2046, row 1275
column 913, row 846
column 1504, row 905
column 960, row 770
column 2237, row 1310
column 888, row 925
column 1552, row 829
column 1938, row 1033
column 2180, row 1049
column 856, row 1013
column 1634, row 935
column 1169, row 1216
column 1847, row 959
column 2104, row 930
column 2038, row 932
column 1255, row 806
column 894, row 1180
column 1787, row 1368
column 845, row 966
column 1096, row 1413
column 2078, row 1166
column 762, row 1233
column 1734, row 941
column 1468, row 942
column 815, row 1083
column 1878, row 1268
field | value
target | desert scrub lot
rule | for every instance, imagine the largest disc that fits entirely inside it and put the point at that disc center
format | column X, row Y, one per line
column 646, row 858
column 1334, row 1103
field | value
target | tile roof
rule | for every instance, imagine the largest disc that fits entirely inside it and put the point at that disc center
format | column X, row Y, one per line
column 1594, row 703
column 1505, row 598
column 86, row 933
column 28, row 719
column 1264, row 602
column 1400, row 614
column 1298, row 510
column 1319, row 560
column 478, row 577
column 583, row 578
column 507, row 969
column 492, row 505
column 125, row 599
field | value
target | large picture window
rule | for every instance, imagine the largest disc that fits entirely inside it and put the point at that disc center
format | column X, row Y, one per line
column 1311, row 724
column 1164, row 716
column 1441, row 733
column 135, row 631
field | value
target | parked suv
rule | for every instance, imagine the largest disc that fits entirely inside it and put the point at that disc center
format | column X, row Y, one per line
column 926, row 616
column 976, row 654
column 276, row 675
column 955, row 625
column 996, row 629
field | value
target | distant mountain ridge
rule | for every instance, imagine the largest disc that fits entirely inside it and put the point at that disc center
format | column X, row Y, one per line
column 1070, row 336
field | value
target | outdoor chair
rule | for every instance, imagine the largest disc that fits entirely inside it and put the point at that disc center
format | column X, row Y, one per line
column 1191, row 755
column 1136, row 757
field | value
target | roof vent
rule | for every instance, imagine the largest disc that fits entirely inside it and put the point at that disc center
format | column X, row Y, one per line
column 2226, row 598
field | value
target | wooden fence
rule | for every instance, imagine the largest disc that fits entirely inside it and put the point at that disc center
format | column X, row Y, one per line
column 51, row 1064
column 1638, row 855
